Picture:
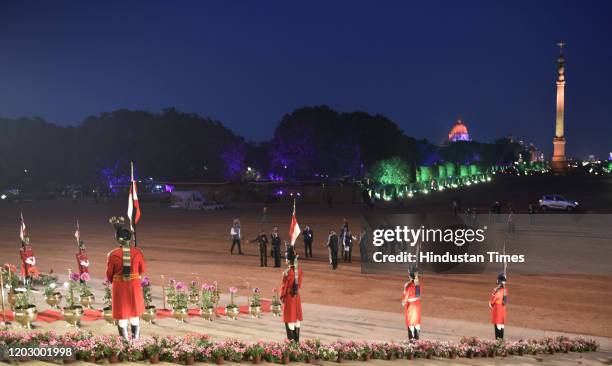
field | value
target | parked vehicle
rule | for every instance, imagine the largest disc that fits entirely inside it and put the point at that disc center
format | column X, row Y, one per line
column 556, row 202
column 188, row 200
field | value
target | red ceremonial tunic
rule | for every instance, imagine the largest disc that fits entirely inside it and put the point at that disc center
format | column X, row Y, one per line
column 412, row 309
column 127, row 299
column 498, row 307
column 25, row 253
column 82, row 257
column 292, row 305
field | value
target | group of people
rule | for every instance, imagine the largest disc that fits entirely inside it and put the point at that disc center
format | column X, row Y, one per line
column 335, row 243
column 126, row 266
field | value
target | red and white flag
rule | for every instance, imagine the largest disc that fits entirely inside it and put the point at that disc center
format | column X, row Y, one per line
column 133, row 203
column 77, row 233
column 22, row 229
column 294, row 229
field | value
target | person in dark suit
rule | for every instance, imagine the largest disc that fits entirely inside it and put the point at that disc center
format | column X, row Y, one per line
column 262, row 241
column 308, row 238
column 332, row 245
column 348, row 246
column 276, row 247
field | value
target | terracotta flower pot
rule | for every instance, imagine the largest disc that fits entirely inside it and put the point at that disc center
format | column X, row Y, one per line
column 154, row 359
column 113, row 359
column 256, row 359
column 219, row 360
column 367, row 356
column 190, row 360
column 285, row 360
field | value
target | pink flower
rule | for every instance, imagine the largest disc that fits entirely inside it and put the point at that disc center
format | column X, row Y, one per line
column 256, row 290
column 233, row 290
column 106, row 283
column 74, row 276
column 180, row 286
column 85, row 277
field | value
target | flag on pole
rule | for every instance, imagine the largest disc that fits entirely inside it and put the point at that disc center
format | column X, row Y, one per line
column 22, row 229
column 77, row 233
column 133, row 202
column 294, row 229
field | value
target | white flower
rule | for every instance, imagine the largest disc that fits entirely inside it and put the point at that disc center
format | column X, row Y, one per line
column 66, row 285
column 53, row 285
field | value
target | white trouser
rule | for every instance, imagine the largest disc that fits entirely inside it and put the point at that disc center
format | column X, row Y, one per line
column 413, row 327
column 292, row 326
column 499, row 326
column 123, row 323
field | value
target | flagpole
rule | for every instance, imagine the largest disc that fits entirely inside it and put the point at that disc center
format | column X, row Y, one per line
column 132, row 221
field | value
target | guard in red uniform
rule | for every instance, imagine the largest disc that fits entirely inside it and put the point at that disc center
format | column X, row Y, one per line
column 292, row 305
column 28, row 260
column 124, row 268
column 498, row 301
column 411, row 300
column 82, row 259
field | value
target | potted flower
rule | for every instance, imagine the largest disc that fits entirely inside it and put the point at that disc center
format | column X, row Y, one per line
column 255, row 303
column 207, row 304
column 107, row 311
column 276, row 307
column 11, row 281
column 73, row 312
column 231, row 309
column 52, row 296
column 219, row 352
column 179, row 299
column 255, row 352
column 25, row 312
column 86, row 296
column 194, row 293
column 150, row 311
column 152, row 349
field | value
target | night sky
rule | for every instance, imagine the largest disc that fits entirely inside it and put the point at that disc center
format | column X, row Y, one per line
column 423, row 64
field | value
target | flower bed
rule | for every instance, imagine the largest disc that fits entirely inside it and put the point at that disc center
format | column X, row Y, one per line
column 201, row 348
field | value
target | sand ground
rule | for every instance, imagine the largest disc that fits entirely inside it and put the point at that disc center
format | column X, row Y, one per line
column 188, row 245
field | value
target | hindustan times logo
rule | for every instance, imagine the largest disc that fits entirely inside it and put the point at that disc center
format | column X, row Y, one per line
column 404, row 234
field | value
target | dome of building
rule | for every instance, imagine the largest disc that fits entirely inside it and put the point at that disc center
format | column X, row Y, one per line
column 459, row 132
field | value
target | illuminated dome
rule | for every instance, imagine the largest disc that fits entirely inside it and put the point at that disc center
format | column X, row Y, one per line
column 459, row 132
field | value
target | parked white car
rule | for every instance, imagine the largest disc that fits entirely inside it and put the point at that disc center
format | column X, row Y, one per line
column 557, row 202
column 188, row 200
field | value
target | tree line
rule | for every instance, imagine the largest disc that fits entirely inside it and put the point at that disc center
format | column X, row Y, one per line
column 309, row 143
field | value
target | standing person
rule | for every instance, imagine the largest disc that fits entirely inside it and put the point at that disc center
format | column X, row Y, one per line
column 344, row 228
column 348, row 246
column 497, row 303
column 531, row 210
column 290, row 296
column 81, row 256
column 124, row 268
column 28, row 260
column 264, row 214
column 362, row 245
column 411, row 300
column 511, row 224
column 26, row 253
column 276, row 247
column 332, row 245
column 262, row 241
column 308, row 238
column 235, row 234
column 455, row 208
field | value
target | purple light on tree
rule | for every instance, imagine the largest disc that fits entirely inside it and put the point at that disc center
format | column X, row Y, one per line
column 233, row 161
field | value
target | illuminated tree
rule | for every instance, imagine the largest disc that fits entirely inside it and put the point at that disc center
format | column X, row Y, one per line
column 391, row 171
